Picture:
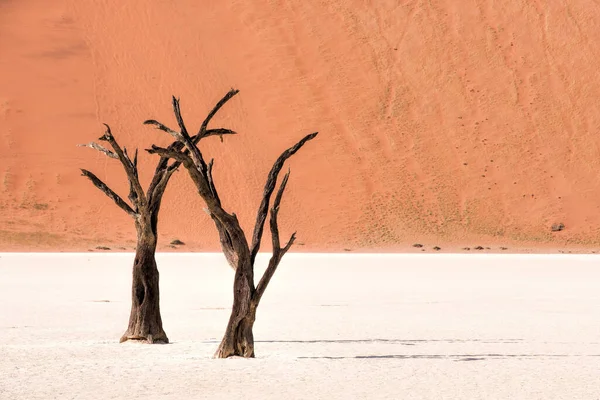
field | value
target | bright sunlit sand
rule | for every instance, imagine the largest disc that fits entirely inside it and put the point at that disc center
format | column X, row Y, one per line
column 329, row 326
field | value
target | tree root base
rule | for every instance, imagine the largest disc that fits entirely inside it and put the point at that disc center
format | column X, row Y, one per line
column 220, row 353
column 149, row 339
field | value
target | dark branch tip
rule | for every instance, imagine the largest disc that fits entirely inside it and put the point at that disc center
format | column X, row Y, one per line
column 154, row 149
column 108, row 134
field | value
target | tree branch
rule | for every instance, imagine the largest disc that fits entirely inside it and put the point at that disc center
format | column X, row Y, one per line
column 176, row 135
column 173, row 167
column 192, row 158
column 178, row 145
column 162, row 165
column 109, row 192
column 133, row 197
column 289, row 244
column 268, row 190
column 275, row 212
column 270, row 271
column 203, row 132
column 159, row 189
column 130, row 168
column 177, row 111
column 96, row 146
column 168, row 153
column 132, row 163
column 217, row 131
column 174, row 148
column 187, row 141
column 211, row 182
column 162, row 127
column 278, row 252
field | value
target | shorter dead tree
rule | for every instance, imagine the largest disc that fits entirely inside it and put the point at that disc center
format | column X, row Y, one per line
column 238, row 339
column 145, row 323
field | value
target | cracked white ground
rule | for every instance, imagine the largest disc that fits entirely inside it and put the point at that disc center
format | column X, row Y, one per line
column 329, row 326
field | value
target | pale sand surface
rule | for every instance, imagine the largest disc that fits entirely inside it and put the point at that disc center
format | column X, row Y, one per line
column 330, row 327
column 464, row 123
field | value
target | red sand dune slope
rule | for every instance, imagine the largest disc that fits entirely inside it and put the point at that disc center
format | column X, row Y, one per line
column 449, row 123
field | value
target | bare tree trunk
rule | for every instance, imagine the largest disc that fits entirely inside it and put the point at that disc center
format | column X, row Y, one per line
column 239, row 339
column 145, row 323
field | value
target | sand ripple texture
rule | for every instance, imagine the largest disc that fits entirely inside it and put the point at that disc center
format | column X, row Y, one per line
column 459, row 121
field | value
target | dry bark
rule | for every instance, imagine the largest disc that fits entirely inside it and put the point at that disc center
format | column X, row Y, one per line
column 238, row 339
column 145, row 323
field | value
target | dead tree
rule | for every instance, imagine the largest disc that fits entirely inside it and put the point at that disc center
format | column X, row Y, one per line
column 238, row 339
column 145, row 323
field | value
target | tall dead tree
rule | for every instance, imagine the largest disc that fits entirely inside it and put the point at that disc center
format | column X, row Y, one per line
column 145, row 323
column 238, row 339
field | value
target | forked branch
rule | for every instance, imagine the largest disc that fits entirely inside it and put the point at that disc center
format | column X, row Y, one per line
column 268, row 190
column 184, row 137
column 203, row 132
column 278, row 252
column 163, row 170
column 179, row 137
column 129, row 166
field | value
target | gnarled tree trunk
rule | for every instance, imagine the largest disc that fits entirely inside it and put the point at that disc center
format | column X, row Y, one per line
column 145, row 323
column 239, row 339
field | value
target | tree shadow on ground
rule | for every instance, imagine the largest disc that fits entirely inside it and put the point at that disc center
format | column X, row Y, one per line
column 407, row 342
column 453, row 357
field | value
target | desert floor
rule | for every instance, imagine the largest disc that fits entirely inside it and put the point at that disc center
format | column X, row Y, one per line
column 330, row 326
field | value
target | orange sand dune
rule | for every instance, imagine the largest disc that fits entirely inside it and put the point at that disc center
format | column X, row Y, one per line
column 445, row 123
